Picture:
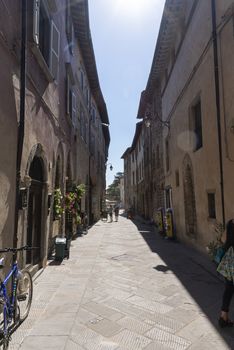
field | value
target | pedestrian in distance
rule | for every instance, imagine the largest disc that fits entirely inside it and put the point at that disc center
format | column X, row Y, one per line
column 110, row 212
column 226, row 269
column 116, row 210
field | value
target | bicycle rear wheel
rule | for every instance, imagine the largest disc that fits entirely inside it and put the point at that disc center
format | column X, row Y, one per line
column 24, row 295
column 4, row 343
column 4, row 328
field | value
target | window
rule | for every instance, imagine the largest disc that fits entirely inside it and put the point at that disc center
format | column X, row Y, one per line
column 157, row 157
column 87, row 96
column 92, row 145
column 211, row 205
column 81, row 79
column 197, row 125
column 69, row 27
column 82, row 125
column 168, row 197
column 93, row 114
column 71, row 107
column 177, row 178
column 167, row 155
column 47, row 39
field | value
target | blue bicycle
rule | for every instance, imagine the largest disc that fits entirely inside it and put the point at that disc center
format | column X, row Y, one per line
column 15, row 298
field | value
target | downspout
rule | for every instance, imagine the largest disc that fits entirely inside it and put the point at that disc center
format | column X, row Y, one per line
column 89, row 180
column 20, row 134
column 217, row 97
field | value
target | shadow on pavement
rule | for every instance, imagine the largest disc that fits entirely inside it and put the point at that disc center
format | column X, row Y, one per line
column 194, row 270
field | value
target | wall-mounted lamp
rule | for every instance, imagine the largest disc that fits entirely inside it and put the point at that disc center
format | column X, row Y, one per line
column 111, row 166
column 23, row 203
column 147, row 122
column 148, row 117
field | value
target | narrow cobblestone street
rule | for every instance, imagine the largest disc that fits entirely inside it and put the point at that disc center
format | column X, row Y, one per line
column 124, row 287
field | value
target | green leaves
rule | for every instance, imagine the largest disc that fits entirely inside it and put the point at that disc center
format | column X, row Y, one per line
column 113, row 191
column 69, row 202
column 58, row 204
column 216, row 243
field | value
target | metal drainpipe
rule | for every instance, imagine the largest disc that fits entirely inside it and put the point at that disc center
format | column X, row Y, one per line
column 89, row 181
column 217, row 95
column 20, row 135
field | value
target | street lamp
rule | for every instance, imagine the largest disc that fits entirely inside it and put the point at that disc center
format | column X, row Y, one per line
column 111, row 166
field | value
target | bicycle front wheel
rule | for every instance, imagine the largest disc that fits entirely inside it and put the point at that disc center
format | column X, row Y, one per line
column 24, row 295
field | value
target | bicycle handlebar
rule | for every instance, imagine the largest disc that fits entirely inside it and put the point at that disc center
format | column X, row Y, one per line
column 14, row 250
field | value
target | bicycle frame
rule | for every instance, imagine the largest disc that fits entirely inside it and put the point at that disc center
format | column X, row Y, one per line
column 8, row 302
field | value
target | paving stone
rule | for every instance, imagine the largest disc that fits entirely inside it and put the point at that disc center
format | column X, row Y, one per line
column 175, row 300
column 152, row 295
column 124, row 307
column 150, row 305
column 117, row 316
column 182, row 314
column 44, row 342
column 130, row 340
column 206, row 344
column 70, row 345
column 81, row 335
column 163, row 322
column 134, row 325
column 99, row 309
column 156, row 346
column 83, row 316
column 90, row 297
column 58, row 324
column 105, row 327
column 170, row 290
column 168, row 339
column 103, row 345
column 197, row 329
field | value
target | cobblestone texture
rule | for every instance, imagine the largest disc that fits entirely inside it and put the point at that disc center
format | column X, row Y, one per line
column 125, row 288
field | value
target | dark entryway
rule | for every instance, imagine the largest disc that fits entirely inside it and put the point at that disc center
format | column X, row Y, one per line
column 34, row 228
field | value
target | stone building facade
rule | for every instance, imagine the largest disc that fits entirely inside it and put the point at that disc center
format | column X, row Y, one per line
column 65, row 139
column 188, row 98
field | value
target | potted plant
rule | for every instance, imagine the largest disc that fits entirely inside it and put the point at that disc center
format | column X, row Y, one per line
column 72, row 201
column 217, row 243
column 58, row 204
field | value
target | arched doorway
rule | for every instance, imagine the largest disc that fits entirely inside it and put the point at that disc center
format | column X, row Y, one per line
column 189, row 198
column 34, row 229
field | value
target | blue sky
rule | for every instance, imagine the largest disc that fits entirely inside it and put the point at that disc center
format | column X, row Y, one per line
column 124, row 34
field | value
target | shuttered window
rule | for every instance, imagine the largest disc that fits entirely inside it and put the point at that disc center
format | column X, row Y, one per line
column 54, row 50
column 197, row 125
column 71, row 99
column 211, row 205
column 69, row 27
column 46, row 37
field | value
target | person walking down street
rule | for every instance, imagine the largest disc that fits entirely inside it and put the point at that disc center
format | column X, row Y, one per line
column 110, row 212
column 116, row 210
column 226, row 269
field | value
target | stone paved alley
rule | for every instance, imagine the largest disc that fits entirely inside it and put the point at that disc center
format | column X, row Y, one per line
column 125, row 287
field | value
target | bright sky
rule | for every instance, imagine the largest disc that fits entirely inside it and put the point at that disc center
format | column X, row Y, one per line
column 124, row 34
